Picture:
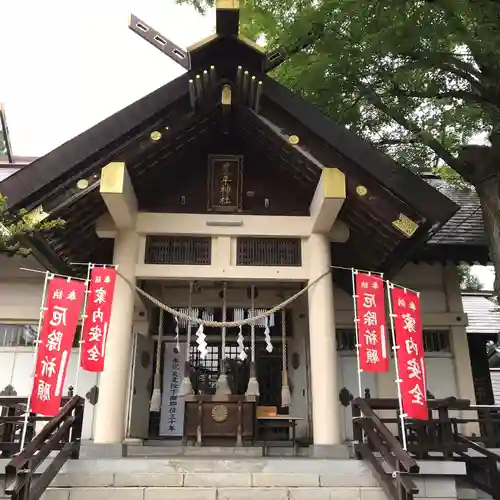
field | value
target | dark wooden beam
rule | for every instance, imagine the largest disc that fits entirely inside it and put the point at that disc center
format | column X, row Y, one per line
column 46, row 256
column 456, row 253
column 411, row 189
column 227, row 17
column 162, row 43
column 93, row 148
column 277, row 56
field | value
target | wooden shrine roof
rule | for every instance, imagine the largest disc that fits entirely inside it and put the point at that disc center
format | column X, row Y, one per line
column 190, row 131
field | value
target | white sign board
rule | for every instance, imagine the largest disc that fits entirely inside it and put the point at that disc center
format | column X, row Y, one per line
column 172, row 406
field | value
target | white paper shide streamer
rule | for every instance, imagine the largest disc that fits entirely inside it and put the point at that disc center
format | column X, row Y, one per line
column 201, row 341
column 239, row 314
column 266, row 323
column 267, row 336
column 177, row 333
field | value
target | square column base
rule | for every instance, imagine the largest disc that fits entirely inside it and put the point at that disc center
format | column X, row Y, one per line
column 336, row 451
column 106, row 450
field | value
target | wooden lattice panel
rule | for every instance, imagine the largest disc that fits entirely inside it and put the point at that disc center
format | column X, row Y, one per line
column 178, row 250
column 269, row 252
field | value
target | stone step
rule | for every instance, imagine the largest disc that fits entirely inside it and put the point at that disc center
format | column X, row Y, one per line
column 195, row 451
column 210, row 493
column 183, row 465
column 182, row 478
column 135, row 448
column 189, row 478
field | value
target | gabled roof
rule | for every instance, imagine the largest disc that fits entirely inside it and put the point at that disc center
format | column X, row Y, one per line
column 482, row 313
column 265, row 113
column 462, row 238
column 9, row 168
column 466, row 227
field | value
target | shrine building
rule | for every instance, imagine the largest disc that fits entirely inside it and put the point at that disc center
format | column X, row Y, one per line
column 223, row 194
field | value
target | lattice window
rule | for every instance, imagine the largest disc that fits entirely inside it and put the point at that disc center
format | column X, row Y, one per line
column 178, row 250
column 346, row 340
column 434, row 340
column 437, row 341
column 207, row 369
column 24, row 335
column 269, row 252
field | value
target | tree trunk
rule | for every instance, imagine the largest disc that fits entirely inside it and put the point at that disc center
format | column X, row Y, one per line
column 482, row 170
column 489, row 196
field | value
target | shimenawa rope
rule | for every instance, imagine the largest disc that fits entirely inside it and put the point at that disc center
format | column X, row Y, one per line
column 220, row 324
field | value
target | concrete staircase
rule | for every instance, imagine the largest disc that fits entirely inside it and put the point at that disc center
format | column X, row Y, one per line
column 152, row 473
column 205, row 479
column 235, row 478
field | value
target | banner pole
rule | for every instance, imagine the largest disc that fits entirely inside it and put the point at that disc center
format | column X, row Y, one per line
column 356, row 329
column 90, row 266
column 48, row 276
column 395, row 347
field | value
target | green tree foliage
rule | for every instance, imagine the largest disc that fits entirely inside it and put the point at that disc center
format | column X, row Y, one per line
column 417, row 78
column 467, row 280
column 15, row 228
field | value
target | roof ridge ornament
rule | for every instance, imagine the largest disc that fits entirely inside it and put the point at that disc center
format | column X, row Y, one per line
column 227, row 27
column 162, row 43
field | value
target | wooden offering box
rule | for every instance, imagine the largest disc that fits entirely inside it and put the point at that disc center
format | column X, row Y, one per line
column 219, row 418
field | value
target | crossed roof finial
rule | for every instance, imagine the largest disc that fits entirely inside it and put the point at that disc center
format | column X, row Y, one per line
column 227, row 26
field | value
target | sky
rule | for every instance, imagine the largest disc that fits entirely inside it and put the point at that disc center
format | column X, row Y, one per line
column 68, row 65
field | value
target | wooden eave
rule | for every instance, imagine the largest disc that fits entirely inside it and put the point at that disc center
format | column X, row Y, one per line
column 94, row 148
column 297, row 113
column 51, row 180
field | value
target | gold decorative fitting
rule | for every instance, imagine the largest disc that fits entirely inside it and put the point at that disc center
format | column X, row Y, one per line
column 155, row 136
column 220, row 413
column 405, row 225
column 82, row 184
column 293, row 139
column 226, row 95
column 361, row 190
column 227, row 4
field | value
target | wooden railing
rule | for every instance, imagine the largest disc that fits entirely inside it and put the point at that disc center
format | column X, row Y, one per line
column 62, row 434
column 436, row 436
column 11, row 422
column 442, row 436
column 374, row 443
column 482, row 466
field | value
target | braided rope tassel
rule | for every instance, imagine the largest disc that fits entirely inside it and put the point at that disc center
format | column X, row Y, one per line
column 286, row 397
column 186, row 386
column 253, row 384
column 222, row 384
column 155, row 403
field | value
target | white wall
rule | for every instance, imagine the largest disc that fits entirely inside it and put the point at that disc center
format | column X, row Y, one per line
column 17, row 365
column 20, row 295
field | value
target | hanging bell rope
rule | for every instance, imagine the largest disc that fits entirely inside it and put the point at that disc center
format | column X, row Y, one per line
column 155, row 403
column 186, row 385
column 219, row 324
column 253, row 384
column 222, row 384
column 286, row 397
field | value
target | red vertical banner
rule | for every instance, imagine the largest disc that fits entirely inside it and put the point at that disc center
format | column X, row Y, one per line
column 371, row 327
column 61, row 313
column 97, row 316
column 410, row 352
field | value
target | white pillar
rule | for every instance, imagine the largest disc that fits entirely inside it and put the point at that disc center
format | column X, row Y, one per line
column 323, row 349
column 114, row 381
